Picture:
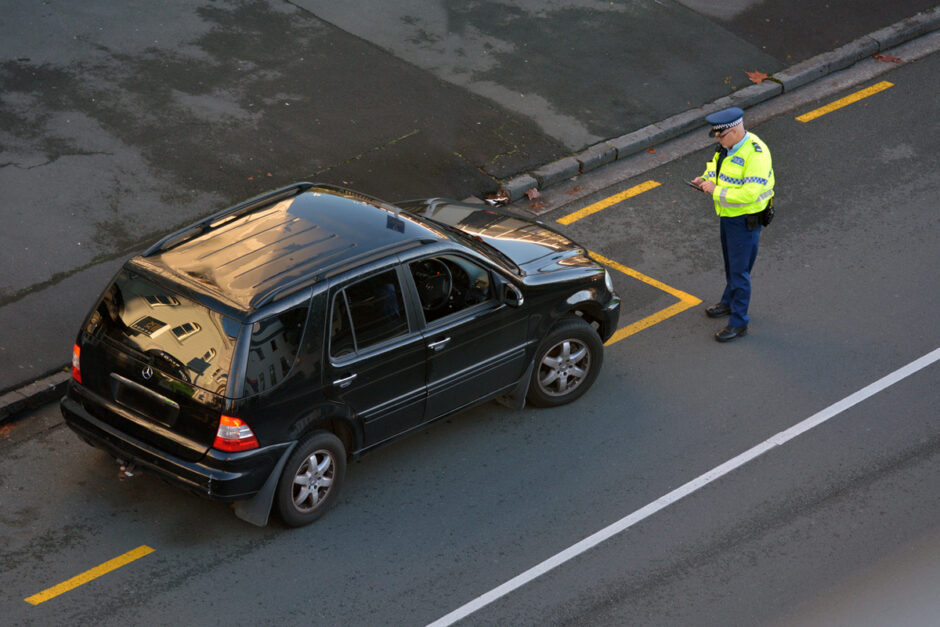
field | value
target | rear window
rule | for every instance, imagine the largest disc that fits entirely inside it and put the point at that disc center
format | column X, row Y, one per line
column 183, row 337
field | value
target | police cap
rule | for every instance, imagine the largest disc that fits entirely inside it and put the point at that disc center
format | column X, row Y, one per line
column 724, row 119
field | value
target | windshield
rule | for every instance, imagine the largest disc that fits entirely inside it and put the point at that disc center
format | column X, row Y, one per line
column 180, row 336
column 477, row 243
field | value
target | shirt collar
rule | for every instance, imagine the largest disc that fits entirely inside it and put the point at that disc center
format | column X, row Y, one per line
column 734, row 148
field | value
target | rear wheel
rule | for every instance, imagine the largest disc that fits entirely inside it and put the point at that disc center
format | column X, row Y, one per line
column 312, row 478
column 566, row 363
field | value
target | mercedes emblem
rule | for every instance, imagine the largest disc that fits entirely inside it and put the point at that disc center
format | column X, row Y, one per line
column 146, row 373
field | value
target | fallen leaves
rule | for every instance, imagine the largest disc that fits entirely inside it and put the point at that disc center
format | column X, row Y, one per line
column 888, row 59
column 532, row 193
column 757, row 77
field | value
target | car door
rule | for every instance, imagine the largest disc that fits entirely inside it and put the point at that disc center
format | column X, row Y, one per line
column 476, row 344
column 376, row 361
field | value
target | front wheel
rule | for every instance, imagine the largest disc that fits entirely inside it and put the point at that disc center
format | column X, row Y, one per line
column 312, row 478
column 566, row 363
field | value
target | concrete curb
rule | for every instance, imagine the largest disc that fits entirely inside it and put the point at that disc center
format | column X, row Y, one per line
column 52, row 387
column 33, row 395
column 781, row 82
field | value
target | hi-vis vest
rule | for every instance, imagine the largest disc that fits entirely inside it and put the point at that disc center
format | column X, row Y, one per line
column 745, row 183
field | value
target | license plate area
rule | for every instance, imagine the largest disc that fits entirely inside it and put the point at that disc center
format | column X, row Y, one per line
column 144, row 401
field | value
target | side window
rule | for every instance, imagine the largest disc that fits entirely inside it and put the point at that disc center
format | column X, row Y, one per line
column 366, row 313
column 275, row 342
column 341, row 335
column 449, row 283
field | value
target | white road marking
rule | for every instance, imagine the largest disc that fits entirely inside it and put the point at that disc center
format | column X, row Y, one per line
column 692, row 486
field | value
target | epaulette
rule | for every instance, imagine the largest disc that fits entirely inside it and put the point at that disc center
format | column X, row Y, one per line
column 757, row 147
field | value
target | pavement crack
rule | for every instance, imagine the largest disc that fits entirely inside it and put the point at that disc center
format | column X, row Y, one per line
column 80, row 153
column 372, row 150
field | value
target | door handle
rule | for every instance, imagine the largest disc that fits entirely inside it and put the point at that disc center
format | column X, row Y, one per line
column 440, row 344
column 344, row 383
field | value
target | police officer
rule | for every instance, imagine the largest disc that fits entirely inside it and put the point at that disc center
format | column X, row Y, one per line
column 740, row 179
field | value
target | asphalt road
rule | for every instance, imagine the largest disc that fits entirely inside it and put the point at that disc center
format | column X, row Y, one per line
column 844, row 514
column 120, row 121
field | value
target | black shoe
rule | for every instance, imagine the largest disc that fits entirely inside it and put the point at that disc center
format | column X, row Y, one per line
column 718, row 311
column 729, row 333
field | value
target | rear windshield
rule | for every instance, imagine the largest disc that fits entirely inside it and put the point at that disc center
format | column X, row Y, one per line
column 183, row 337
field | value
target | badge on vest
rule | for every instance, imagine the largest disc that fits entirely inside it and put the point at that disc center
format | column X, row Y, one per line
column 757, row 147
column 737, row 160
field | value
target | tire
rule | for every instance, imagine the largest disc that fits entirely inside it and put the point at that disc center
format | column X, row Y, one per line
column 566, row 363
column 311, row 480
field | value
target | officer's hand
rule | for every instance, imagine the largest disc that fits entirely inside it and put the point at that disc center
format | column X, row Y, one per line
column 707, row 186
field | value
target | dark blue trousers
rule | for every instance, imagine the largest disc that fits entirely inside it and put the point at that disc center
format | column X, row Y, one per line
column 739, row 249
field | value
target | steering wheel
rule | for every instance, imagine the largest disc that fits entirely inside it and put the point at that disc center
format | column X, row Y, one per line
column 434, row 283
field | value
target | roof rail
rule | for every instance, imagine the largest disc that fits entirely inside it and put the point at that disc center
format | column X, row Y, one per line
column 216, row 220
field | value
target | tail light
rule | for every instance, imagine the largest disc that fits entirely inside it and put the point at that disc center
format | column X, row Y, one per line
column 76, row 363
column 234, row 435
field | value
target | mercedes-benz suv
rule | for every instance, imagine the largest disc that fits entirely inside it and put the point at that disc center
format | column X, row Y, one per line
column 249, row 356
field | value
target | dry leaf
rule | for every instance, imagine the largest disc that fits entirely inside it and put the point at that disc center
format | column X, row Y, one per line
column 575, row 189
column 532, row 193
column 888, row 59
column 651, row 150
column 756, row 76
column 535, row 206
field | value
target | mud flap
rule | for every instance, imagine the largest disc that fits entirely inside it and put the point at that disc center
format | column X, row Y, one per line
column 257, row 509
column 516, row 398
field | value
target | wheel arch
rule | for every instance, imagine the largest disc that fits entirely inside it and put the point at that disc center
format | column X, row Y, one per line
column 333, row 419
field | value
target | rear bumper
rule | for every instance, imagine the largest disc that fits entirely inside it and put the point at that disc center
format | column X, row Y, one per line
column 218, row 475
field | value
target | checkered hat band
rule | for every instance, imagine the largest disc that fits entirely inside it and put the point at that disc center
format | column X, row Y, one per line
column 721, row 127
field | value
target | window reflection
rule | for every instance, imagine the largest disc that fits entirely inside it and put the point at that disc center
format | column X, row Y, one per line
column 182, row 337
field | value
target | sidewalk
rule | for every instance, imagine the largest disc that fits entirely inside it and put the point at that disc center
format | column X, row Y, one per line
column 42, row 307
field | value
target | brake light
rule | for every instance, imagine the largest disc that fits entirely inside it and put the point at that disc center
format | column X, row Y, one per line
column 234, row 435
column 76, row 363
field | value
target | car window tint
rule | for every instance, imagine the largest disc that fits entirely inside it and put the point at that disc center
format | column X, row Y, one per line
column 275, row 343
column 377, row 309
column 448, row 284
column 182, row 337
column 341, row 335
column 367, row 313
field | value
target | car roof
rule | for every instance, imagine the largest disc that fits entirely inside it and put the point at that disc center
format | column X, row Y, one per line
column 276, row 244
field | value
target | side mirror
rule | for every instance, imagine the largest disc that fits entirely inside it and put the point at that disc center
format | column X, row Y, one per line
column 511, row 295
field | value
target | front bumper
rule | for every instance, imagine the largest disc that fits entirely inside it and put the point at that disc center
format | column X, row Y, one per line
column 611, row 317
column 219, row 475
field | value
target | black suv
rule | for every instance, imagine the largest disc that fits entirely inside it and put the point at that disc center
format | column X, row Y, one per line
column 249, row 355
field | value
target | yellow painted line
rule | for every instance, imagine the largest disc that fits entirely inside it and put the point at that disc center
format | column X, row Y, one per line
column 842, row 102
column 88, row 575
column 607, row 202
column 686, row 301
